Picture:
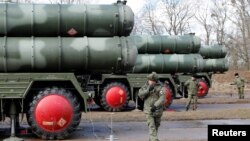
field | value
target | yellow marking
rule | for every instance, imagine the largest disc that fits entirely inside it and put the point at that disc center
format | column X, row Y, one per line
column 61, row 122
column 48, row 123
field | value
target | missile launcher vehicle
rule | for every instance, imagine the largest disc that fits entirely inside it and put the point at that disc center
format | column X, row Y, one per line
column 53, row 58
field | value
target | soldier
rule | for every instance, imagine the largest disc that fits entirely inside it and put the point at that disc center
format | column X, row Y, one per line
column 192, row 88
column 153, row 94
column 240, row 83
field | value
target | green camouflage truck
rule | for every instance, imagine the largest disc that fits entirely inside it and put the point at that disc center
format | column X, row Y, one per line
column 48, row 53
column 36, row 71
column 49, row 79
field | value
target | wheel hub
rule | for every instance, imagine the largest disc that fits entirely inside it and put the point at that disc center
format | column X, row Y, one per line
column 204, row 88
column 116, row 97
column 168, row 96
column 53, row 113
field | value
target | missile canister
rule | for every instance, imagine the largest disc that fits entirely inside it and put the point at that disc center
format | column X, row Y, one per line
column 168, row 63
column 167, row 44
column 52, row 20
column 215, row 65
column 213, row 52
column 56, row 54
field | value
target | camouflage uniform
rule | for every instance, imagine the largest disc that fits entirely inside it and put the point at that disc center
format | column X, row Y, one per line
column 240, row 83
column 154, row 99
column 192, row 87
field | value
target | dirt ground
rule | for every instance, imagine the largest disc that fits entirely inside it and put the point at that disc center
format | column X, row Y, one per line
column 221, row 83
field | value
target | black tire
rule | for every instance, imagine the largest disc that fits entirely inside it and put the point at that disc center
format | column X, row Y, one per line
column 104, row 103
column 72, row 124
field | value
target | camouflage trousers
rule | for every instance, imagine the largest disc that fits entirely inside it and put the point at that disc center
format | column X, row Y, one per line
column 192, row 99
column 241, row 92
column 153, row 125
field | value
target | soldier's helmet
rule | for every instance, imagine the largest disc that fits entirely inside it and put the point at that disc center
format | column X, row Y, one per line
column 236, row 74
column 153, row 77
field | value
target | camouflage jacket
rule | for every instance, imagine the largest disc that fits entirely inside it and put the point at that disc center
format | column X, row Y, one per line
column 155, row 97
column 239, row 81
column 192, row 87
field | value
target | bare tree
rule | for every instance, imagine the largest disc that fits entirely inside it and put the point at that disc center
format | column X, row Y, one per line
column 241, row 20
column 203, row 18
column 24, row 1
column 151, row 19
column 147, row 20
column 72, row 1
column 178, row 14
column 138, row 28
column 53, row 1
column 219, row 17
column 17, row 1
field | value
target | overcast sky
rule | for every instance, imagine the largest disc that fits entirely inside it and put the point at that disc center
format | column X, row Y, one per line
column 136, row 5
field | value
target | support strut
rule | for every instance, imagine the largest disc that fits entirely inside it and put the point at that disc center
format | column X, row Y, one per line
column 13, row 117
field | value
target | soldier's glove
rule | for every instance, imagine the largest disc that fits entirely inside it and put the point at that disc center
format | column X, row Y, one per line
column 153, row 109
column 151, row 87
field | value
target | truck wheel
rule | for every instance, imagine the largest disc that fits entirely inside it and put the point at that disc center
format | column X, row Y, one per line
column 54, row 113
column 169, row 96
column 204, row 88
column 115, row 97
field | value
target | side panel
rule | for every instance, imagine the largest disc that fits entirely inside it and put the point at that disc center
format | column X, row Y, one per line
column 14, row 86
column 17, row 85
